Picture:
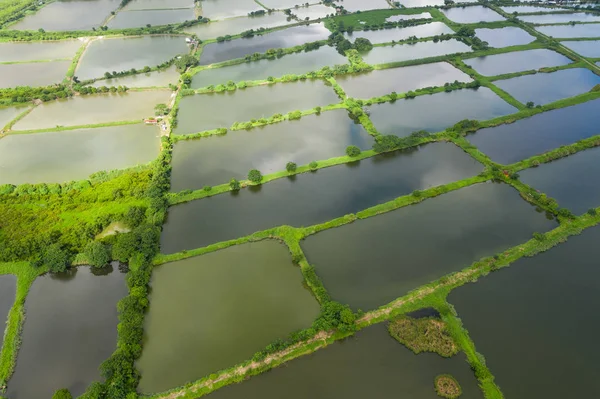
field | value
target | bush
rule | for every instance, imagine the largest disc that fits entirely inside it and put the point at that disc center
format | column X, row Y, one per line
column 539, row 236
column 97, row 254
column 124, row 247
column 234, row 185
column 207, row 189
column 255, row 176
column 335, row 316
column 56, row 259
column 592, row 212
column 62, row 394
column 313, row 165
column 291, row 167
column 352, row 151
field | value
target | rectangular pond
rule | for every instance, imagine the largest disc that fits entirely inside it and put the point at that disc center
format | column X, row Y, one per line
column 235, row 26
column 560, row 18
column 234, row 290
column 586, row 48
column 123, row 54
column 395, row 34
column 210, row 111
column 504, row 37
column 94, row 109
column 471, row 15
column 540, row 133
column 570, row 31
column 35, row 74
column 437, row 112
column 404, row 17
column 536, row 318
column 221, row 9
column 519, row 61
column 158, row 4
column 239, row 48
column 360, row 185
column 429, row 3
column 37, row 51
column 405, row 52
column 7, row 114
column 313, row 12
column 297, row 64
column 384, row 81
column 67, row 15
column 529, row 9
column 572, row 181
column 141, row 18
column 160, row 78
column 361, row 5
column 341, row 370
column 56, row 157
column 268, row 149
column 8, row 290
column 412, row 246
column 70, row 329
column 544, row 88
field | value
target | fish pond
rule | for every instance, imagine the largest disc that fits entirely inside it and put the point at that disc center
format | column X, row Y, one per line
column 570, row 31
column 34, row 74
column 70, row 329
column 8, row 290
column 586, row 48
column 221, row 9
column 235, row 26
column 364, row 184
column 161, row 78
column 220, row 110
column 313, row 12
column 235, row 289
column 239, row 48
column 530, row 9
column 560, row 18
column 516, row 327
column 518, row 61
column 361, row 5
column 544, row 88
column 470, row 15
column 7, row 114
column 540, row 133
column 394, row 34
column 463, row 226
column 437, row 112
column 504, row 37
column 384, row 81
column 135, row 19
column 404, row 17
column 340, row 371
column 158, row 4
column 56, row 157
column 38, row 51
column 267, row 149
column 405, row 52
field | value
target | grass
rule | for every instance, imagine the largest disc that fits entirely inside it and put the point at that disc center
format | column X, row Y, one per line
column 423, row 335
column 446, row 386
column 374, row 17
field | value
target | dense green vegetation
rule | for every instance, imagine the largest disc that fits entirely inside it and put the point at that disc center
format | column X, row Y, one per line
column 423, row 335
column 446, row 386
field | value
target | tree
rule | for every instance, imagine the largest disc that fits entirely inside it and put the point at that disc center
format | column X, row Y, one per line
column 185, row 61
column 361, row 44
column 97, row 254
column 255, row 176
column 62, row 394
column 124, row 247
column 234, row 185
column 161, row 109
column 291, row 167
column 352, row 151
column 530, row 104
column 313, row 165
column 56, row 259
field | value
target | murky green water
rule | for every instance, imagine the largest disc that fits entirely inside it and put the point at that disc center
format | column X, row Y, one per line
column 204, row 312
column 220, row 9
column 310, row 195
column 537, row 318
column 437, row 112
column 516, row 141
column 568, row 31
column 70, row 329
column 544, row 88
column 405, row 52
column 238, row 25
column 267, row 149
column 158, row 4
column 519, row 61
column 470, row 15
column 587, row 48
column 239, row 48
column 384, row 81
column 34, row 74
column 92, row 109
column 414, row 245
column 370, row 364
column 504, row 37
column 37, row 51
column 560, row 18
column 64, row 15
column 56, row 157
column 136, row 19
column 389, row 35
column 297, row 63
column 210, row 111
column 122, row 54
column 152, row 79
column 8, row 289
column 7, row 114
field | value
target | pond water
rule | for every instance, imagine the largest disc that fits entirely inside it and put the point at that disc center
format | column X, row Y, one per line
column 35, row 74
column 93, row 109
column 239, row 48
column 267, row 149
column 571, row 181
column 384, row 81
column 220, row 9
column 108, row 55
column 70, row 329
column 238, row 25
column 570, row 31
column 504, row 37
column 560, row 18
column 518, row 61
column 8, row 290
column 210, row 111
column 544, row 88
column 437, row 112
column 7, row 114
column 405, row 52
column 525, row 9
column 341, row 370
column 158, row 4
column 56, row 157
column 361, row 5
column 37, row 51
column 389, row 35
column 64, row 15
column 540, row 133
column 141, row 18
column 470, row 15
column 586, row 48
column 281, row 4
column 397, row 18
column 363, row 184
column 235, row 290
column 313, row 12
column 425, row 3
column 151, row 79
column 463, row 226
column 518, row 331
column 297, row 63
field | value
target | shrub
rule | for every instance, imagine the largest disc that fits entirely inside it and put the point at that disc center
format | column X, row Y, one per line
column 313, row 165
column 97, row 254
column 255, row 176
column 56, row 258
column 352, row 151
column 291, row 167
column 234, row 185
column 124, row 247
column 539, row 236
column 62, row 394
column 207, row 188
column 592, row 212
